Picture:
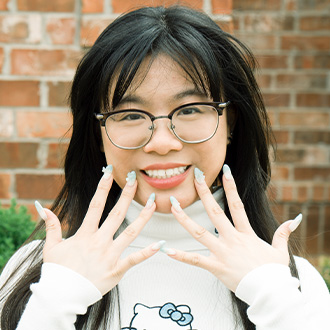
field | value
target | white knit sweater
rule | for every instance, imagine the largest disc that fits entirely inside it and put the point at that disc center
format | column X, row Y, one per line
column 164, row 294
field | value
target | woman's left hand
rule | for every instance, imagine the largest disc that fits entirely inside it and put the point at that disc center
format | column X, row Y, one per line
column 237, row 250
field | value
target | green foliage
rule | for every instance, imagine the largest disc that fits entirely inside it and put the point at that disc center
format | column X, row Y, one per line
column 15, row 227
column 325, row 269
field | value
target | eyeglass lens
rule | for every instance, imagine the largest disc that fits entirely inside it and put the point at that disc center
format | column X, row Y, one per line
column 133, row 129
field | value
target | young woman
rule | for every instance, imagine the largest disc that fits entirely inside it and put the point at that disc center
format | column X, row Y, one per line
column 161, row 102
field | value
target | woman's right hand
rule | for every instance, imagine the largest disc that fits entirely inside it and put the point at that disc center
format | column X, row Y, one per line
column 92, row 251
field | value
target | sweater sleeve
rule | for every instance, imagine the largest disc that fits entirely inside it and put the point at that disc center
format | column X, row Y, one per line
column 57, row 299
column 275, row 301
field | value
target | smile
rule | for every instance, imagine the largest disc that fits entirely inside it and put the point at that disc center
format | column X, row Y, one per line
column 165, row 174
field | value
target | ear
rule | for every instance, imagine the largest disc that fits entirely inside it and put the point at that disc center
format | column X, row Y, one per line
column 231, row 122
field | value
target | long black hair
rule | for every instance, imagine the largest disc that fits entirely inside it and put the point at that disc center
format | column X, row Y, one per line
column 216, row 62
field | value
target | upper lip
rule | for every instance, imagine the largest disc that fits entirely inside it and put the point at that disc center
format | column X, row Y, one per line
column 163, row 166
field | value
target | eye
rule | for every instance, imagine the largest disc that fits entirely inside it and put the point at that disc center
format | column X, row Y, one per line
column 128, row 116
column 189, row 111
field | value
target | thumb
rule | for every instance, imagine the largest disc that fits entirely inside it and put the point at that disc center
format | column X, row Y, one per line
column 281, row 236
column 53, row 225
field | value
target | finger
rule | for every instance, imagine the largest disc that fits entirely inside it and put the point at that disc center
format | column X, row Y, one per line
column 118, row 213
column 235, row 203
column 195, row 230
column 140, row 256
column 282, row 234
column 191, row 258
column 96, row 206
column 53, row 226
column 213, row 209
column 132, row 231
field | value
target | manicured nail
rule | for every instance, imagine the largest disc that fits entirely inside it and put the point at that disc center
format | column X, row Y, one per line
column 199, row 175
column 168, row 251
column 40, row 210
column 150, row 200
column 131, row 177
column 157, row 246
column 295, row 222
column 107, row 171
column 227, row 172
column 175, row 204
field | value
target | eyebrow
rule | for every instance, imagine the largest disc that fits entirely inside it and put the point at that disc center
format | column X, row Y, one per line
column 131, row 98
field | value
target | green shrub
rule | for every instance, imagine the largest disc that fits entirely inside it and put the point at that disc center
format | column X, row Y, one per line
column 15, row 227
column 324, row 263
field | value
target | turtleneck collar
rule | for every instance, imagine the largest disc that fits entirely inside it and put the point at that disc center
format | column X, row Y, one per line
column 164, row 226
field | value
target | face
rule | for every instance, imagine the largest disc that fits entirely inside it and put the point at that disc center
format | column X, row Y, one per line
column 165, row 87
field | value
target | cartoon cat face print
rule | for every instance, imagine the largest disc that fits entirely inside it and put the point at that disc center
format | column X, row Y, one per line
column 167, row 317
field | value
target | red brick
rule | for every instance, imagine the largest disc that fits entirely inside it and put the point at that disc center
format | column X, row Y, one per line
column 5, row 183
column 273, row 61
column 312, row 173
column 4, row 4
column 43, row 124
column 19, row 93
column 91, row 28
column 227, row 26
column 61, row 31
column 264, row 80
column 318, row 193
column 315, row 4
column 20, row 28
column 306, row 119
column 56, row 155
column 281, row 137
column 290, row 5
column 44, row 62
column 58, row 93
column 92, row 6
column 267, row 23
column 280, row 173
column 305, row 42
column 256, row 4
column 312, row 137
column 1, row 59
column 289, row 155
column 302, row 194
column 315, row 23
column 326, row 247
column 222, row 6
column 263, row 42
column 313, row 217
column 313, row 100
column 318, row 61
column 14, row 154
column 287, row 193
column 37, row 186
column 6, row 123
column 119, row 6
column 276, row 100
column 301, row 81
column 46, row 6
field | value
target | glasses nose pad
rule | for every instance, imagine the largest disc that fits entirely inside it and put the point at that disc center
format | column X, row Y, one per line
column 171, row 126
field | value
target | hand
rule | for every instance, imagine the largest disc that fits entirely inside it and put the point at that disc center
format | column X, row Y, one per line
column 237, row 250
column 92, row 251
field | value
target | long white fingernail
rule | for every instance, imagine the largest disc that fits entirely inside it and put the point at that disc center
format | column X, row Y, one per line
column 295, row 222
column 227, row 172
column 199, row 175
column 107, row 171
column 157, row 246
column 175, row 204
column 168, row 251
column 40, row 210
column 150, row 200
column 131, row 177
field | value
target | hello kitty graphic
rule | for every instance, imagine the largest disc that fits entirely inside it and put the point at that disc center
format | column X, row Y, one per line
column 166, row 317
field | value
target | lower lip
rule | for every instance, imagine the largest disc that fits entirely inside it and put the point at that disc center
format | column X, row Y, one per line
column 167, row 183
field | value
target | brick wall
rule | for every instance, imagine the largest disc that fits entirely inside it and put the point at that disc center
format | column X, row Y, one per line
column 41, row 43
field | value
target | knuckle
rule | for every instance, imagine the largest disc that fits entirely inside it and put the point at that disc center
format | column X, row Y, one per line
column 195, row 260
column 231, row 186
column 238, row 205
column 204, row 191
column 130, row 231
column 115, row 212
column 132, row 260
column 51, row 226
column 95, row 204
column 199, row 232
column 217, row 210
column 126, row 193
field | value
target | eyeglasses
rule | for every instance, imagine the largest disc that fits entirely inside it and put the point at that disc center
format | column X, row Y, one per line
column 190, row 123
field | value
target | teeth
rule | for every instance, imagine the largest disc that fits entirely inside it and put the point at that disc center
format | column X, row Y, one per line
column 164, row 174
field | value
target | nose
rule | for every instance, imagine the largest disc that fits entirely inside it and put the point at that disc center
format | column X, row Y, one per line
column 163, row 140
